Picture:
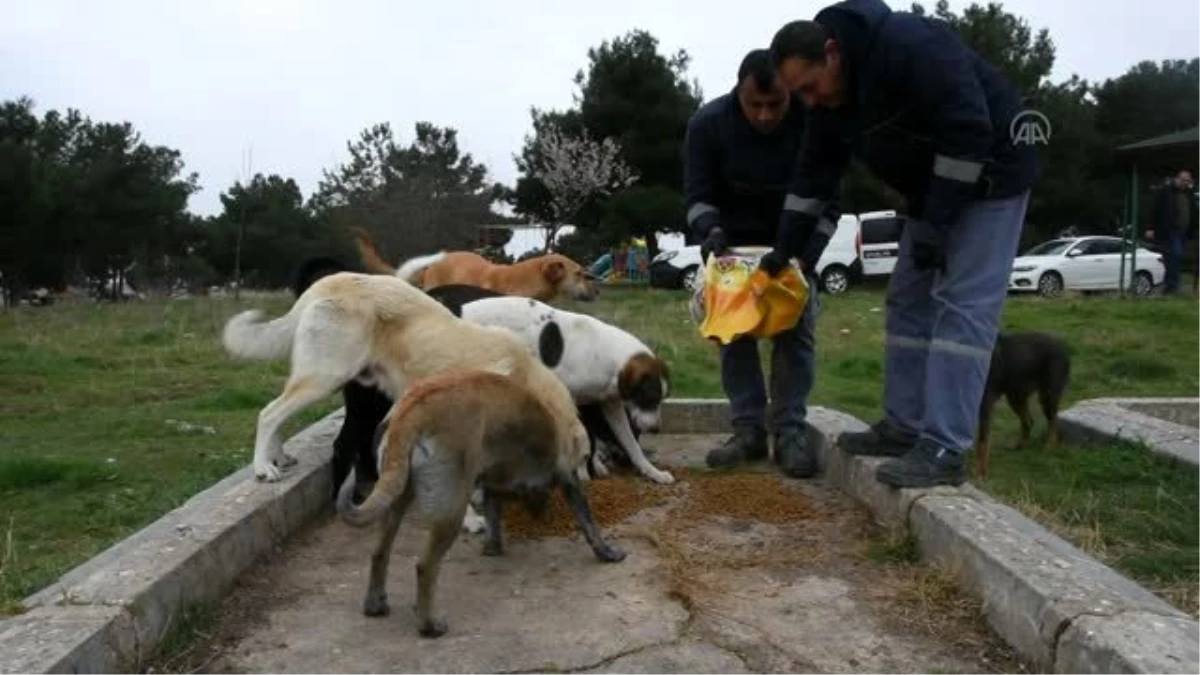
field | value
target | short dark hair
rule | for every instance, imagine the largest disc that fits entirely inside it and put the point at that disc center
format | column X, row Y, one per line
column 799, row 39
column 757, row 64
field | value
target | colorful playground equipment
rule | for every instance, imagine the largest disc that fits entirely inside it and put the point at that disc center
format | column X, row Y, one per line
column 628, row 263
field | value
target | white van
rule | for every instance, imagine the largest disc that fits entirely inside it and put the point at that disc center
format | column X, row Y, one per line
column 879, row 241
column 839, row 264
column 837, row 268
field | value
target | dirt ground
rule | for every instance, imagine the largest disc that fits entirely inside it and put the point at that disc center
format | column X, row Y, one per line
column 733, row 572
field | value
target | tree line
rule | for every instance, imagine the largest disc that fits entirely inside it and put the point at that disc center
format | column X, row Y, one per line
column 86, row 201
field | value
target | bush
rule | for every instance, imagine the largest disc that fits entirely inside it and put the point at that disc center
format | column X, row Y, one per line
column 584, row 246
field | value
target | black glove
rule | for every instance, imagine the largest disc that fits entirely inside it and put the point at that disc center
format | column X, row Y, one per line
column 773, row 263
column 715, row 243
column 928, row 246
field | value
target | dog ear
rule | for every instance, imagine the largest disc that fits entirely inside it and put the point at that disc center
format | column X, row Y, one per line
column 555, row 271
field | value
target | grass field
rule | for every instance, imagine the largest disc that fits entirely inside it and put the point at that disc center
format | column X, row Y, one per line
column 113, row 415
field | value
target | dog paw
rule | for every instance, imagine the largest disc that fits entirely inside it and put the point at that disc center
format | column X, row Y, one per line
column 596, row 467
column 285, row 460
column 662, row 478
column 474, row 523
column 610, row 554
column 493, row 548
column 433, row 628
column 267, row 472
column 376, row 604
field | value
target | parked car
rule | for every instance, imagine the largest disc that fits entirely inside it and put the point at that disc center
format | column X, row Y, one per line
column 1084, row 264
column 840, row 265
column 879, row 241
column 681, row 268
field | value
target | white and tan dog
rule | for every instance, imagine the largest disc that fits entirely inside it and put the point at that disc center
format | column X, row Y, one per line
column 382, row 331
column 600, row 364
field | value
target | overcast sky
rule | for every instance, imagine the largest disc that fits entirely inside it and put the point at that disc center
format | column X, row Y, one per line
column 296, row 79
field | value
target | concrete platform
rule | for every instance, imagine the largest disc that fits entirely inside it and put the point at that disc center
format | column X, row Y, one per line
column 1167, row 426
column 810, row 602
column 758, row 590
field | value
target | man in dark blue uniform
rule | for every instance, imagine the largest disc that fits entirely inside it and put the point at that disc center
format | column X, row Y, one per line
column 740, row 149
column 936, row 122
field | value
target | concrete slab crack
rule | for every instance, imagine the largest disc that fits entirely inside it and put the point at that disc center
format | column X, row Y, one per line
column 1067, row 623
column 598, row 664
column 741, row 656
column 909, row 511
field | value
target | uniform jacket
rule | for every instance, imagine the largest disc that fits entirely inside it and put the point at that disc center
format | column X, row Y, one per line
column 735, row 176
column 1174, row 210
column 924, row 112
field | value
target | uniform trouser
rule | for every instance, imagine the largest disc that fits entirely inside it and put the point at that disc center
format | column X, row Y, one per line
column 941, row 326
column 793, row 367
column 1174, row 260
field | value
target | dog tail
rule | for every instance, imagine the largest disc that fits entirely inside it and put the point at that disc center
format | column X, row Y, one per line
column 247, row 336
column 369, row 252
column 411, row 270
column 403, row 433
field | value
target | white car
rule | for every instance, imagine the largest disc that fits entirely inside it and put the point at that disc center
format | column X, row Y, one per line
column 1084, row 264
column 839, row 264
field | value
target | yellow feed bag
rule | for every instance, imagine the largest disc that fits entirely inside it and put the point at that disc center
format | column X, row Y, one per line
column 739, row 299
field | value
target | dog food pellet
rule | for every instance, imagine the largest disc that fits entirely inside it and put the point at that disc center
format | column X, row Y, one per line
column 762, row 497
column 611, row 501
column 765, row 498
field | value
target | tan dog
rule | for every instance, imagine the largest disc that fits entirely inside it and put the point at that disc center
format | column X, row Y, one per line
column 450, row 433
column 383, row 332
column 544, row 278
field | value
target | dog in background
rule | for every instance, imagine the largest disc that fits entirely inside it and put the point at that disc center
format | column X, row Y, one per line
column 452, row 432
column 382, row 332
column 543, row 278
column 1022, row 363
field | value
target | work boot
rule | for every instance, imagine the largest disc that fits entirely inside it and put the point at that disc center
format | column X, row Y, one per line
column 745, row 445
column 794, row 455
column 926, row 465
column 881, row 439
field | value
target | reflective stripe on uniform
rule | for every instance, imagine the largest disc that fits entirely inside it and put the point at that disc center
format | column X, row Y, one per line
column 939, row 345
column 960, row 349
column 812, row 207
column 699, row 209
column 906, row 342
column 961, row 170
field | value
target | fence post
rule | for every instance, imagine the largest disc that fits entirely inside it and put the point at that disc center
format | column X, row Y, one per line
column 1133, row 228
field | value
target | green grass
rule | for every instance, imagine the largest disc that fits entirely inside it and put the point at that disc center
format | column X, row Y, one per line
column 87, row 455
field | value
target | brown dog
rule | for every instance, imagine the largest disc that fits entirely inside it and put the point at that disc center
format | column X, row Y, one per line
column 543, row 278
column 1022, row 363
column 450, row 433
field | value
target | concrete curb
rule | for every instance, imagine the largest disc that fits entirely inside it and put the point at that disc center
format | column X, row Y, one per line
column 110, row 613
column 1113, row 418
column 1058, row 607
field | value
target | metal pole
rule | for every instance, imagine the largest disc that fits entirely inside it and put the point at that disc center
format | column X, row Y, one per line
column 1133, row 228
column 1124, row 241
